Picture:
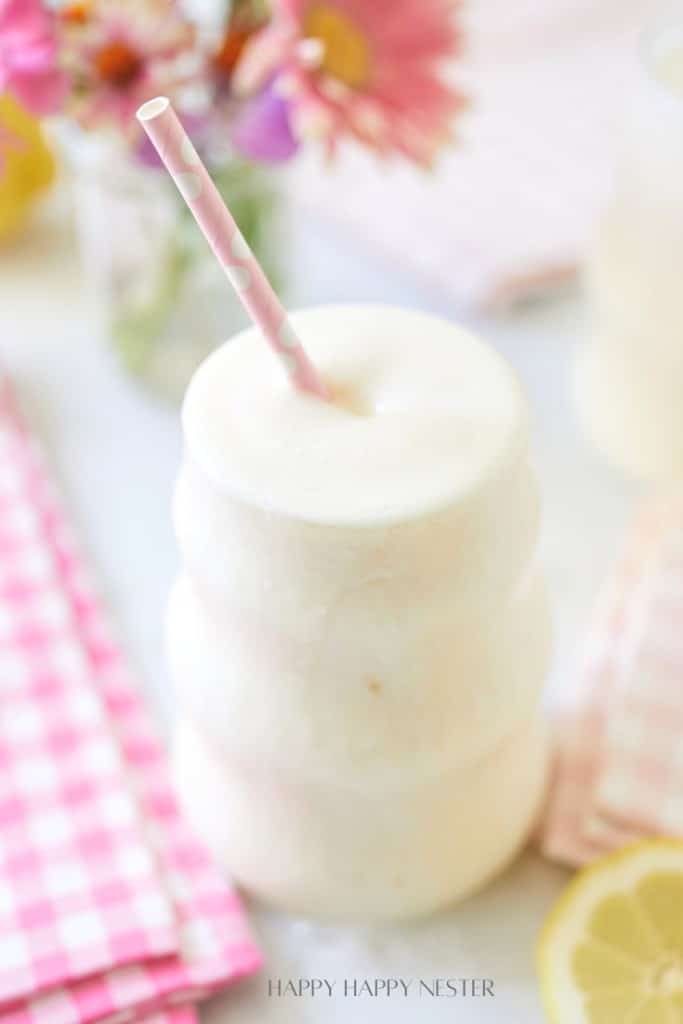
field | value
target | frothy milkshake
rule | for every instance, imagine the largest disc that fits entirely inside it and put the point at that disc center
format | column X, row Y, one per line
column 359, row 636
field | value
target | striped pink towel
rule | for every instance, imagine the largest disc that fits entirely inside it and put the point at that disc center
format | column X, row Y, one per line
column 109, row 908
column 619, row 769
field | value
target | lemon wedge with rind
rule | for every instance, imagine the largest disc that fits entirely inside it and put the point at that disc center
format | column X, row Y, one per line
column 611, row 951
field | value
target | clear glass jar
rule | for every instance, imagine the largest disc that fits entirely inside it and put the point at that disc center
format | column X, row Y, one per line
column 630, row 374
column 161, row 298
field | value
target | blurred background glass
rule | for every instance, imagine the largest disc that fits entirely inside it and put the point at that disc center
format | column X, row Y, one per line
column 630, row 376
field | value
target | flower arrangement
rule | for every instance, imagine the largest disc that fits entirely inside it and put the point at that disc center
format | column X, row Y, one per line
column 271, row 77
column 277, row 74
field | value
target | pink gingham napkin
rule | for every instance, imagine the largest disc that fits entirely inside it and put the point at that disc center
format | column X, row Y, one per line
column 109, row 907
column 619, row 765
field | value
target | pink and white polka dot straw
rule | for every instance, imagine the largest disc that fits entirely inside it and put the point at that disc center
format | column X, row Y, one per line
column 179, row 156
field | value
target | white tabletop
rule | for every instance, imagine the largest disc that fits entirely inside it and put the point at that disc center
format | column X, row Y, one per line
column 116, row 450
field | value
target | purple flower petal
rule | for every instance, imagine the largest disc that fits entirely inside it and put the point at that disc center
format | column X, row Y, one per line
column 263, row 130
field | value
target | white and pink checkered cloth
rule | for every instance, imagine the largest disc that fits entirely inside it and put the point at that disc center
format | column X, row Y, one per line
column 110, row 910
column 619, row 769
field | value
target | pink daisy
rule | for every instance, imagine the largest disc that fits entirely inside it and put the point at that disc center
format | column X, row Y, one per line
column 28, row 56
column 370, row 69
column 120, row 53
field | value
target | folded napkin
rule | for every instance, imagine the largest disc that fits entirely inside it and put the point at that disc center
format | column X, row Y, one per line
column 109, row 907
column 508, row 212
column 619, row 767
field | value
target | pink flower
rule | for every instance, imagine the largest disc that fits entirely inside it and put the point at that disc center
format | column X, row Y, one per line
column 262, row 130
column 120, row 54
column 369, row 69
column 28, row 56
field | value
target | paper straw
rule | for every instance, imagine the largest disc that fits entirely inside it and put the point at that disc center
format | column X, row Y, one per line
column 180, row 158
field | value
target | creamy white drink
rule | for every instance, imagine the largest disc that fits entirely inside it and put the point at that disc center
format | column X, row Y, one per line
column 630, row 374
column 359, row 637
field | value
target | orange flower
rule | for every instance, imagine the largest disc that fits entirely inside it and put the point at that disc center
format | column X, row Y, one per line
column 76, row 13
column 230, row 50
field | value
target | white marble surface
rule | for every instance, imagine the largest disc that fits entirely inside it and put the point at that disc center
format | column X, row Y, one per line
column 116, row 450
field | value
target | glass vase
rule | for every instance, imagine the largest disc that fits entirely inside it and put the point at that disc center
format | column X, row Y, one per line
column 161, row 299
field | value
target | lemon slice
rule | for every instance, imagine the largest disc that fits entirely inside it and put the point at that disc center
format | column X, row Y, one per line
column 611, row 951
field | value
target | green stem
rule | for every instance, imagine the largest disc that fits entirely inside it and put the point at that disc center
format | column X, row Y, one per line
column 137, row 330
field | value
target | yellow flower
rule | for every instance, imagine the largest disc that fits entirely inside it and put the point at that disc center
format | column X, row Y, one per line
column 27, row 166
